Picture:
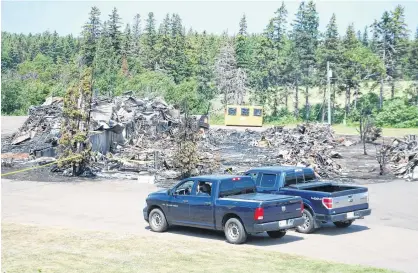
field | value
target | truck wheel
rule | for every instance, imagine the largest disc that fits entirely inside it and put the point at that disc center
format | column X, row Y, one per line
column 157, row 221
column 277, row 234
column 308, row 226
column 343, row 224
column 235, row 232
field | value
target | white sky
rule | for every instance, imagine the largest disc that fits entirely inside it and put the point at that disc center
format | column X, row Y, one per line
column 213, row 16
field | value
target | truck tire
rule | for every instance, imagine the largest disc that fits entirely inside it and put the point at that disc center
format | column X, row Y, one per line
column 234, row 231
column 157, row 221
column 309, row 225
column 277, row 234
column 343, row 224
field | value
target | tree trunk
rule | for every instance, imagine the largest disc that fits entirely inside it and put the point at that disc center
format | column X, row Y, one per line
column 307, row 110
column 286, row 101
column 392, row 94
column 297, row 100
column 356, row 96
column 381, row 93
column 275, row 104
column 347, row 99
column 333, row 102
column 323, row 106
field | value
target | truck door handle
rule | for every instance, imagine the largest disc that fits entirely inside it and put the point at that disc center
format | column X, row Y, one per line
column 185, row 201
column 208, row 203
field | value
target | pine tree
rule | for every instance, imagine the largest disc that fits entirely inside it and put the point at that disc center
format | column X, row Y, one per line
column 150, row 42
column 279, row 25
column 329, row 51
column 136, row 34
column 91, row 32
column 365, row 37
column 241, row 45
column 400, row 43
column 114, row 32
column 305, row 37
column 178, row 69
column 350, row 44
column 204, row 71
column 126, row 49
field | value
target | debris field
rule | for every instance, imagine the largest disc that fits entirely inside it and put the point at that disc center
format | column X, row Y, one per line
column 133, row 137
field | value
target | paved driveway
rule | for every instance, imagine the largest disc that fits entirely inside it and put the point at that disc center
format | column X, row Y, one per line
column 388, row 238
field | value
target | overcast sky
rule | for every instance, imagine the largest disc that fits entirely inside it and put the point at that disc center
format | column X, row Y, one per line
column 213, row 16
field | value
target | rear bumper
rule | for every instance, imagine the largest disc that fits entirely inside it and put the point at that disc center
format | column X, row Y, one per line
column 276, row 225
column 358, row 214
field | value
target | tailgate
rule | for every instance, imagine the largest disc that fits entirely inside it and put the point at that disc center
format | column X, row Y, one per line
column 350, row 202
column 286, row 207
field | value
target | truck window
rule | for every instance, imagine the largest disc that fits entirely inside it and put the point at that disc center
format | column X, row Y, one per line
column 253, row 176
column 242, row 186
column 299, row 177
column 204, row 188
column 245, row 112
column 185, row 188
column 290, row 179
column 310, row 177
column 232, row 111
column 268, row 180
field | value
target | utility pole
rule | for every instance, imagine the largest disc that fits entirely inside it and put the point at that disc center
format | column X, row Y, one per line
column 329, row 75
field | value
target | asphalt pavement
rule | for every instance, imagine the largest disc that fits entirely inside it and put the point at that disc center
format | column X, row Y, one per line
column 388, row 238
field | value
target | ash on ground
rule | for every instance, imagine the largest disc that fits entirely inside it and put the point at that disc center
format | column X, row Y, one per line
column 137, row 139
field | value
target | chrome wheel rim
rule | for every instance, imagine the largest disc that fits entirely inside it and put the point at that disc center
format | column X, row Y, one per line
column 156, row 220
column 233, row 231
column 307, row 222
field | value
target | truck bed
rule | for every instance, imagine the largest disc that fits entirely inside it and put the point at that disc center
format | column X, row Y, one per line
column 329, row 187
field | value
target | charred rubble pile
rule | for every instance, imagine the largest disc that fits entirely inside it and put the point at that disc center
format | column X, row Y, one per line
column 306, row 145
column 128, row 136
column 39, row 132
column 403, row 157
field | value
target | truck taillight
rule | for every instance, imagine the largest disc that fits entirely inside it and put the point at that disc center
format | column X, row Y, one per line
column 259, row 214
column 327, row 202
column 236, row 179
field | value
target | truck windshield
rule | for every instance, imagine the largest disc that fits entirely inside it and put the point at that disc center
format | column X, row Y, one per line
column 242, row 186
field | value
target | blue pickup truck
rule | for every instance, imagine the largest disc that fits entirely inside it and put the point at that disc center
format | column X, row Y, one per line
column 324, row 201
column 223, row 202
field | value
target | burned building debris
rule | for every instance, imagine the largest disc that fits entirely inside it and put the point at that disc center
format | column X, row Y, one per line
column 403, row 157
column 137, row 137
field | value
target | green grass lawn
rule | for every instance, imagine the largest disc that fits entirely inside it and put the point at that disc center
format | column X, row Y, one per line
column 37, row 249
column 387, row 132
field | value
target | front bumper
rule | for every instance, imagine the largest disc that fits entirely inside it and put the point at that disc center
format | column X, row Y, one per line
column 145, row 212
column 278, row 225
column 357, row 214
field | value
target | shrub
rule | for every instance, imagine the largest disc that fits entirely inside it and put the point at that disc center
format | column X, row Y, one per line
column 398, row 113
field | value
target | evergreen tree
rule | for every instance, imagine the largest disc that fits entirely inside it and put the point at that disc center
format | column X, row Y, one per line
column 329, row 52
column 305, row 37
column 365, row 37
column 241, row 45
column 114, row 32
column 150, row 42
column 279, row 25
column 91, row 32
column 350, row 75
column 178, row 68
column 136, row 34
column 126, row 49
column 400, row 44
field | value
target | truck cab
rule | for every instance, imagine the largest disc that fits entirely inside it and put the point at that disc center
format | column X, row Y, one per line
column 223, row 202
column 324, row 201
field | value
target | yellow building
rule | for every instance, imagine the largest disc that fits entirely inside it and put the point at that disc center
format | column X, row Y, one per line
column 244, row 115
